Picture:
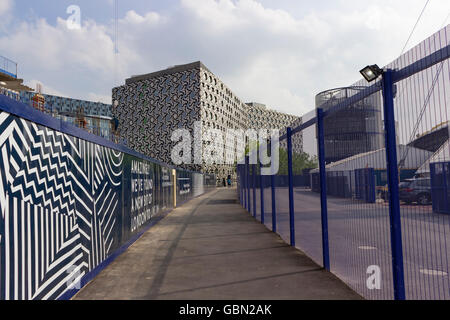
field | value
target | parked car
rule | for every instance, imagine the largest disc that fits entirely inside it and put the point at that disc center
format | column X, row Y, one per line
column 416, row 190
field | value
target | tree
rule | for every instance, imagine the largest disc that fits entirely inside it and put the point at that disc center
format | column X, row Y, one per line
column 300, row 162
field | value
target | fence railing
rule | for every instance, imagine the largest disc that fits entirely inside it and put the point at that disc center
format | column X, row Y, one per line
column 376, row 212
column 73, row 202
column 8, row 67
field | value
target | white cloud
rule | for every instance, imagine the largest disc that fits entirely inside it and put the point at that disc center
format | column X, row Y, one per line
column 45, row 89
column 264, row 55
column 99, row 98
column 5, row 13
column 5, row 5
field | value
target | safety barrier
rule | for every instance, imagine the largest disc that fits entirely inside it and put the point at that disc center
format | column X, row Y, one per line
column 8, row 67
column 440, row 187
column 70, row 202
column 383, row 159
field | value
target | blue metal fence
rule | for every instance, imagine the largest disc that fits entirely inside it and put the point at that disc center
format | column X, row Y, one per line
column 440, row 187
column 8, row 67
column 365, row 185
column 355, row 219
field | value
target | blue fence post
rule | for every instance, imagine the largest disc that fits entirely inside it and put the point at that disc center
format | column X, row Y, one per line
column 254, row 189
column 434, row 193
column 393, row 181
column 242, row 186
column 248, row 185
column 239, row 185
column 274, row 205
column 261, row 186
column 244, row 178
column 244, row 199
column 291, row 187
column 241, row 179
column 445, row 176
column 323, row 189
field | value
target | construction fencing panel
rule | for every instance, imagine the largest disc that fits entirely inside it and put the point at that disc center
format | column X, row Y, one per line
column 440, row 187
column 70, row 201
column 364, row 184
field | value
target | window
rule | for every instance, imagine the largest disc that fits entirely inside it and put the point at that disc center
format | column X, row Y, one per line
column 423, row 183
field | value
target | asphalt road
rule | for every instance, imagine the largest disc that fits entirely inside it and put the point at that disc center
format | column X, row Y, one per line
column 359, row 237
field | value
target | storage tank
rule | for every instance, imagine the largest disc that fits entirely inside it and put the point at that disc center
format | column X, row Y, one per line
column 353, row 130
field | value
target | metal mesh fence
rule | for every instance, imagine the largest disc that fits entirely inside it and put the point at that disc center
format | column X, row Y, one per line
column 307, row 212
column 358, row 221
column 282, row 195
column 375, row 208
column 8, row 66
column 422, row 112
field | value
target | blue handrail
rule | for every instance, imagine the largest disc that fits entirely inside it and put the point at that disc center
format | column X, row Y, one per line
column 8, row 67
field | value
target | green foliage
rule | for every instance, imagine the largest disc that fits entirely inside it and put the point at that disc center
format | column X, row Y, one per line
column 300, row 162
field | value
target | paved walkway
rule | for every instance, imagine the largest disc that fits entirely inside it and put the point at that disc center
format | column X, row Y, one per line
column 211, row 248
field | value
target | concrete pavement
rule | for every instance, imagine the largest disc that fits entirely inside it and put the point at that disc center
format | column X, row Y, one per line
column 212, row 249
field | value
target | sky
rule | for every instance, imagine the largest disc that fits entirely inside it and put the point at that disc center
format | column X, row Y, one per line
column 277, row 52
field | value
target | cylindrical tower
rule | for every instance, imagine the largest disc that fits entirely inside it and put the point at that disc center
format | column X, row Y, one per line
column 353, row 130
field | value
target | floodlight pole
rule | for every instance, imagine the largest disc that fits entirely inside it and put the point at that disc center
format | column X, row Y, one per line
column 291, row 188
column 323, row 188
column 393, row 182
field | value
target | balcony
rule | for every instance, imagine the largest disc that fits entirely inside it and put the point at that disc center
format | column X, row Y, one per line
column 8, row 67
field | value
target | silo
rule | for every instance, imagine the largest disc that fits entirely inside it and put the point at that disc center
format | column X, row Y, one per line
column 353, row 130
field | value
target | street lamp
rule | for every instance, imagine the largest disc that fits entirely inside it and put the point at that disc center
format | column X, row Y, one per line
column 371, row 73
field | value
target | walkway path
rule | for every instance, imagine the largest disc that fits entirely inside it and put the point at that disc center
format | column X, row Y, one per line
column 211, row 248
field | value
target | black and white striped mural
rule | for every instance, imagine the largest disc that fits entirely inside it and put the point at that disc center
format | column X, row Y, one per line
column 66, row 205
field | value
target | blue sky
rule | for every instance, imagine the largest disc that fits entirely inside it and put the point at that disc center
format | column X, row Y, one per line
column 102, row 10
column 281, row 53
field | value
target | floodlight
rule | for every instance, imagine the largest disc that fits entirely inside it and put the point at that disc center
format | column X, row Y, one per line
column 371, row 73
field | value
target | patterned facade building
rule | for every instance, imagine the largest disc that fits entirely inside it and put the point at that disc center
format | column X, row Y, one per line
column 63, row 105
column 150, row 107
column 96, row 116
column 261, row 117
